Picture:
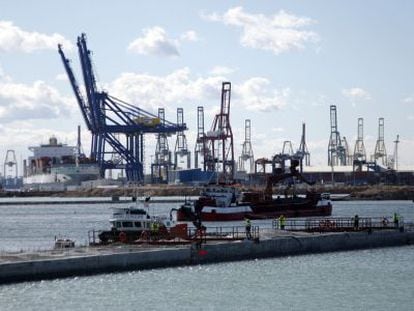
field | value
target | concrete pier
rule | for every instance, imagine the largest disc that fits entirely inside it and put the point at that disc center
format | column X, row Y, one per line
column 130, row 258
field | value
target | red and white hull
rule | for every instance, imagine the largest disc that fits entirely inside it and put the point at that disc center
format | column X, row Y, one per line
column 239, row 212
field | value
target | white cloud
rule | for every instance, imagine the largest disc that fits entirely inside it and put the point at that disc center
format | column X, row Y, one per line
column 13, row 38
column 221, row 70
column 408, row 100
column 190, row 35
column 279, row 33
column 150, row 91
column 356, row 93
column 26, row 134
column 62, row 77
column 255, row 94
column 3, row 76
column 179, row 87
column 28, row 102
column 154, row 42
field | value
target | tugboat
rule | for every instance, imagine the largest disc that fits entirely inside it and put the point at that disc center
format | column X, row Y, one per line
column 225, row 203
column 131, row 223
column 216, row 203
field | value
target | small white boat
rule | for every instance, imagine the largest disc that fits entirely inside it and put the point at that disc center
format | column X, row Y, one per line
column 61, row 243
column 129, row 223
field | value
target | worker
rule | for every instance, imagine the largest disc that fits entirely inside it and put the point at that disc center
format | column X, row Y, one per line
column 356, row 222
column 282, row 222
column 384, row 222
column 396, row 220
column 248, row 228
column 154, row 230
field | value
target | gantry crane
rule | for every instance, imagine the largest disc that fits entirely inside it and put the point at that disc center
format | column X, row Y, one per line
column 360, row 155
column 219, row 151
column 200, row 146
column 181, row 150
column 105, row 116
column 380, row 151
column 163, row 161
column 336, row 151
column 303, row 153
column 247, row 150
column 395, row 157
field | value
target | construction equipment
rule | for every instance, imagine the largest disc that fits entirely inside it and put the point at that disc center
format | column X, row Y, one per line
column 219, row 152
column 247, row 150
column 10, row 165
column 200, row 147
column 106, row 116
column 336, row 152
column 393, row 162
column 163, row 160
column 380, row 152
column 359, row 149
column 181, row 150
column 303, row 153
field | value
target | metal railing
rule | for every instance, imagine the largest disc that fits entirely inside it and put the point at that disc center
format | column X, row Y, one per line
column 193, row 234
column 227, row 233
column 339, row 224
column 93, row 238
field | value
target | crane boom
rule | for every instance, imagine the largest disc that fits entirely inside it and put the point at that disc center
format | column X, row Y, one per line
column 75, row 87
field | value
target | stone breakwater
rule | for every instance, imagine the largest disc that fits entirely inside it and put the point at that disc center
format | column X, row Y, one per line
column 90, row 261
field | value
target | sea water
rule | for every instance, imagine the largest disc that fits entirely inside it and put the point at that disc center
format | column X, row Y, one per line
column 378, row 279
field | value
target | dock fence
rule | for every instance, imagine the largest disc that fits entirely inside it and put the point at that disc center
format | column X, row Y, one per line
column 339, row 224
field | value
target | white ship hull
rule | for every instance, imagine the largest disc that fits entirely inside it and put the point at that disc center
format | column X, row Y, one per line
column 46, row 179
column 65, row 174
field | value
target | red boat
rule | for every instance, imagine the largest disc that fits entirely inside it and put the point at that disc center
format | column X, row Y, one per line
column 312, row 205
column 225, row 203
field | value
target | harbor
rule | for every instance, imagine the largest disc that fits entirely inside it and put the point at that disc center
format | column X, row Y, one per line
column 183, row 155
column 221, row 243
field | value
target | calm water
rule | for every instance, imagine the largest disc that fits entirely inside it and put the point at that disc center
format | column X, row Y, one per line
column 380, row 279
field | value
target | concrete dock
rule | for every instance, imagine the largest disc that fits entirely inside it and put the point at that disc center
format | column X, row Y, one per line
column 19, row 267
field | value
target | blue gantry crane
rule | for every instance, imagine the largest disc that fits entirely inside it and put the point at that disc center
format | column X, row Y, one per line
column 116, row 126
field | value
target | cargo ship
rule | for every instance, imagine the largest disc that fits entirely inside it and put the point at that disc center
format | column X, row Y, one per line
column 55, row 165
column 226, row 203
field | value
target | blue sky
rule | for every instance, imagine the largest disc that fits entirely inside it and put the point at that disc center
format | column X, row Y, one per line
column 288, row 61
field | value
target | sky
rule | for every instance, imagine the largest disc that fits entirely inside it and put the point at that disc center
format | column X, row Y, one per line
column 288, row 61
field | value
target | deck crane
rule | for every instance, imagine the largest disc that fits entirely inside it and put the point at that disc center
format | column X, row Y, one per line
column 115, row 125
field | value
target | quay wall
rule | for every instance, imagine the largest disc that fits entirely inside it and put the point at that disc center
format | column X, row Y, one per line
column 12, row 272
column 293, row 245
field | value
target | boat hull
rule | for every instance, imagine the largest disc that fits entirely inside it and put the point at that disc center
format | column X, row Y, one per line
column 230, row 213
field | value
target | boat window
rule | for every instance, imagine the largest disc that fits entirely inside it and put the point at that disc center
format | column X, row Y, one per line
column 126, row 224
column 137, row 224
column 118, row 224
column 138, row 212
